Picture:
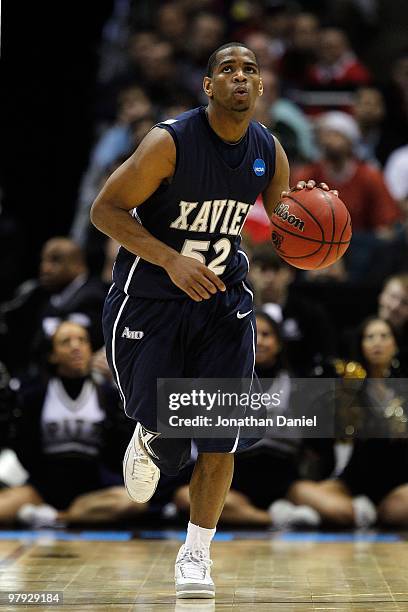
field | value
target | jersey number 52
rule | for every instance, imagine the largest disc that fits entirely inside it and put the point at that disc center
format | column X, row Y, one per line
column 196, row 248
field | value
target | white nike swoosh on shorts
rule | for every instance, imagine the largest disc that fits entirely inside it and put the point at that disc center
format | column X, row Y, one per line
column 241, row 315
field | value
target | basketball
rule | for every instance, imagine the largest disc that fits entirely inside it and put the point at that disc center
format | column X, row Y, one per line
column 311, row 228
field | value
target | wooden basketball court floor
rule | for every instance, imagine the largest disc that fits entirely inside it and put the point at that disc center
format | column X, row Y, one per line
column 253, row 571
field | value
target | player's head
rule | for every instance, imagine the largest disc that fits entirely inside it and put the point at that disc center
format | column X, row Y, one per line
column 393, row 301
column 62, row 260
column 233, row 80
column 71, row 350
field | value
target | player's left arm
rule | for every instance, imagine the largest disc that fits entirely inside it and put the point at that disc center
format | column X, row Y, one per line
column 280, row 182
column 279, row 185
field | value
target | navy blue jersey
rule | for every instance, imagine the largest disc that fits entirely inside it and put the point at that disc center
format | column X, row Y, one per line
column 201, row 211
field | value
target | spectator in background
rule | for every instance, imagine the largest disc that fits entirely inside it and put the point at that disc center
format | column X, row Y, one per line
column 277, row 22
column 335, row 75
column 69, row 435
column 263, row 47
column 171, row 26
column 302, row 51
column 64, row 290
column 396, row 178
column 377, row 139
column 139, row 46
column 159, row 75
column 114, row 143
column 285, row 120
column 372, row 208
column 390, row 304
column 375, row 481
column 374, row 213
column 393, row 307
column 246, row 18
column 305, row 325
column 181, row 103
column 133, row 105
column 139, row 129
column 396, row 96
column 206, row 33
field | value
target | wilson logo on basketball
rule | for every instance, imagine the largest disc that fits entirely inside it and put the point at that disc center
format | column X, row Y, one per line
column 282, row 211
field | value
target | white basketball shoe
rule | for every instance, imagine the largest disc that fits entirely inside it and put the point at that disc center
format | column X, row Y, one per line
column 193, row 574
column 140, row 474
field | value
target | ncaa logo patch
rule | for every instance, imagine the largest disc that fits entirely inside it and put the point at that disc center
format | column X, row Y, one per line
column 259, row 167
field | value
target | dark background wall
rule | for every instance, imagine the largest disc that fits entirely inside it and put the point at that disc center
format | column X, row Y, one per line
column 48, row 66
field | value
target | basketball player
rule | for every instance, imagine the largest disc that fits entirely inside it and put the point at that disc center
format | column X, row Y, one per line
column 179, row 305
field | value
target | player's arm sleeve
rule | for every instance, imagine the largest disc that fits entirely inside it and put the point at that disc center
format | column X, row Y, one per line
column 279, row 182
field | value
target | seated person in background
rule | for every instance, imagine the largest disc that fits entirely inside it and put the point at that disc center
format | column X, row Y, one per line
column 396, row 177
column 393, row 307
column 264, row 473
column 286, row 121
column 391, row 304
column 64, row 290
column 113, row 143
column 374, row 212
column 70, row 435
column 306, row 329
column 374, row 483
column 377, row 139
column 330, row 82
column 361, row 186
column 302, row 50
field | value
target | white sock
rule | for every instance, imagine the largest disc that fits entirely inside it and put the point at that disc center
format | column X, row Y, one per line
column 199, row 537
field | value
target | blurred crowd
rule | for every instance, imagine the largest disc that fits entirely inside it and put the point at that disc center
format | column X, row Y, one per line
column 342, row 117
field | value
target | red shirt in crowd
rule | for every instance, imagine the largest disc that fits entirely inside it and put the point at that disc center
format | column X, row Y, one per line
column 348, row 71
column 363, row 191
column 331, row 87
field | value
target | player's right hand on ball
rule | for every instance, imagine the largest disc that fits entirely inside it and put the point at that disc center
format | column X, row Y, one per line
column 310, row 184
column 194, row 278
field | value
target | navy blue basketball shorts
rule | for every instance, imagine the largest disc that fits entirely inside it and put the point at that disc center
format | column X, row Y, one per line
column 147, row 339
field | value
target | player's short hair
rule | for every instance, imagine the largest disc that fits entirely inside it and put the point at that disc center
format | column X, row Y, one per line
column 212, row 60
